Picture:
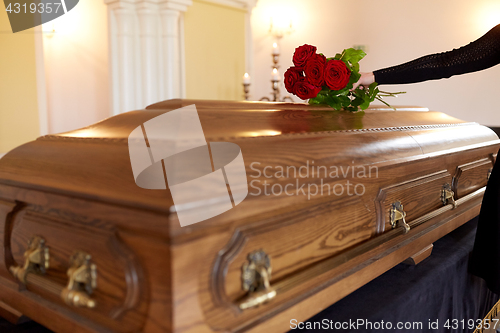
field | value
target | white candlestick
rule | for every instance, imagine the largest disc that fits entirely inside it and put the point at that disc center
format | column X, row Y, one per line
column 246, row 79
column 275, row 75
column 276, row 49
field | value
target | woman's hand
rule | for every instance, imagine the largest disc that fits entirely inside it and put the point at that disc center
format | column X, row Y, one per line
column 365, row 80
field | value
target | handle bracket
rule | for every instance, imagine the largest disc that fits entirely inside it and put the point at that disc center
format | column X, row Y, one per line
column 36, row 259
column 397, row 214
column 82, row 276
column 448, row 196
column 255, row 278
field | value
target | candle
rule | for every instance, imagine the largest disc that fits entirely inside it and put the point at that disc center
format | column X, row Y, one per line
column 275, row 75
column 246, row 79
column 276, row 49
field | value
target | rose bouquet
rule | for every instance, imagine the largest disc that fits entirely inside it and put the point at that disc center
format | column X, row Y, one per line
column 330, row 80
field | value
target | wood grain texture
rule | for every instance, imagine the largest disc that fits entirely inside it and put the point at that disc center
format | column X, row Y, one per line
column 324, row 295
column 77, row 190
column 418, row 196
column 11, row 314
column 118, row 290
column 8, row 209
column 471, row 176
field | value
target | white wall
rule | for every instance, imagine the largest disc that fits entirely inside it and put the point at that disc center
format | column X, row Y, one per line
column 76, row 67
column 393, row 31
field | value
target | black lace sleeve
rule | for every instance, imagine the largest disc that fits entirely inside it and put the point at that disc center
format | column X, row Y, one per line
column 480, row 54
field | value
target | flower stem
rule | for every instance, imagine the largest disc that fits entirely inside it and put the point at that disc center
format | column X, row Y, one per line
column 391, row 93
column 380, row 99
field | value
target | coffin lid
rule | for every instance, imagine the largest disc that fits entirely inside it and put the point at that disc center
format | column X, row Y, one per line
column 93, row 162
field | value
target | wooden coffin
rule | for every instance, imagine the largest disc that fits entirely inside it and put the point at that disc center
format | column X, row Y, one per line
column 85, row 249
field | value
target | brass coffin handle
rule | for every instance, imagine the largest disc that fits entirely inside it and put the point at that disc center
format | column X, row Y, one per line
column 82, row 281
column 36, row 260
column 448, row 196
column 255, row 279
column 82, row 274
column 397, row 214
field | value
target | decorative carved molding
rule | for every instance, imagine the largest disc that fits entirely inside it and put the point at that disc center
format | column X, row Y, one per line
column 236, row 244
column 380, row 204
column 240, row 4
column 362, row 130
column 470, row 169
column 122, row 270
column 8, row 211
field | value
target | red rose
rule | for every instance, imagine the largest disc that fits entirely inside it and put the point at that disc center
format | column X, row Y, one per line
column 305, row 90
column 292, row 75
column 337, row 74
column 302, row 53
column 314, row 69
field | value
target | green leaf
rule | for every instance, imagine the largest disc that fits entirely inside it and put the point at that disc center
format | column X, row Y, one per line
column 366, row 102
column 357, row 102
column 372, row 91
column 343, row 92
column 353, row 55
column 354, row 77
column 334, row 102
column 373, row 85
column 319, row 99
column 345, row 101
column 352, row 108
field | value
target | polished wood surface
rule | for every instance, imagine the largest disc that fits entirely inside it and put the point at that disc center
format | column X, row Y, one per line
column 12, row 315
column 420, row 256
column 76, row 190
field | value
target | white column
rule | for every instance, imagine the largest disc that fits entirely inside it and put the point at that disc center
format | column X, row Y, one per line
column 182, row 56
column 146, row 52
column 125, row 60
column 171, row 53
column 146, row 39
column 148, row 22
